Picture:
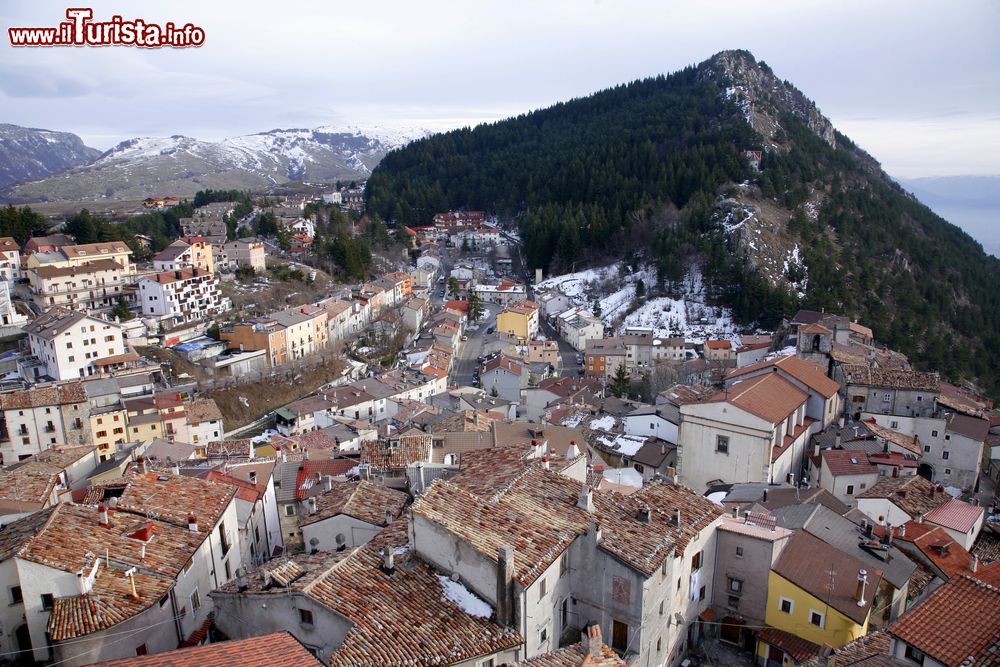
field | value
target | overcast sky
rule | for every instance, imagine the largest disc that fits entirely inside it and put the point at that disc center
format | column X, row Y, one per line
column 915, row 83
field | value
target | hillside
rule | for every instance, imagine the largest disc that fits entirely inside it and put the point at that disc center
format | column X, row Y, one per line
column 28, row 153
column 661, row 169
column 181, row 166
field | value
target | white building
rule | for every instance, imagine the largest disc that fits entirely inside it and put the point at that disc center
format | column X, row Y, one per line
column 204, row 422
column 182, row 296
column 75, row 600
column 9, row 317
column 10, row 261
column 756, row 431
column 68, row 343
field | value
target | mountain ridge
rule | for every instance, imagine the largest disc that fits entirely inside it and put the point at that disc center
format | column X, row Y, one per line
column 28, row 153
column 181, row 165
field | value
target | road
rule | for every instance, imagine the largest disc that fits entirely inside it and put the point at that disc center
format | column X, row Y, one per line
column 469, row 351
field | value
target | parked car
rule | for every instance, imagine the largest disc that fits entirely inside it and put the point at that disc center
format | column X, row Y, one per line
column 489, row 331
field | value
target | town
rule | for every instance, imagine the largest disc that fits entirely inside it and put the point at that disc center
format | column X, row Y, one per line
column 223, row 449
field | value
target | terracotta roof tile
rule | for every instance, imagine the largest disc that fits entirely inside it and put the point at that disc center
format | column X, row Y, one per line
column 361, row 500
column 279, row 649
column 57, row 394
column 810, row 374
column 913, row 494
column 890, row 378
column 959, row 620
column 171, row 498
column 768, row 396
column 956, row 514
column 387, row 453
column 808, row 562
column 876, row 643
column 203, row 410
column 109, row 603
column 800, row 649
column 847, row 462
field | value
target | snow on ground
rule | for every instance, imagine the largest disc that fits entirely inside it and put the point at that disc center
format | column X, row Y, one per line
column 576, row 284
column 264, row 437
column 605, row 423
column 454, row 591
column 624, row 476
column 687, row 316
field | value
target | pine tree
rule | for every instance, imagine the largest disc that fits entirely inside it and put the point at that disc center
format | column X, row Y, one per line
column 620, row 382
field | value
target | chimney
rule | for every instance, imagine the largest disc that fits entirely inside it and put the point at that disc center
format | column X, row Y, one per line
column 142, row 465
column 388, row 517
column 586, row 499
column 102, row 513
column 328, row 483
column 765, row 495
column 736, row 511
column 252, row 475
column 920, row 518
column 859, row 593
column 545, row 462
column 975, row 564
column 895, row 471
column 836, row 441
column 869, row 528
column 590, row 642
column 888, row 534
column 388, row 560
column 642, row 514
column 83, row 583
column 677, row 517
column 573, row 450
column 840, row 422
column 816, row 449
column 902, row 530
column 505, row 586
column 311, row 503
column 193, row 522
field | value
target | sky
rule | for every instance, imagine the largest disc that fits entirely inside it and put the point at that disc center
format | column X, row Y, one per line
column 915, row 83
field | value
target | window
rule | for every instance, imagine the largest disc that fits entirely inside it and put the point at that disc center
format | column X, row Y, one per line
column 816, row 618
column 733, row 602
column 914, row 655
column 47, row 601
column 735, row 585
column 541, row 588
column 195, row 600
column 894, row 424
column 947, row 471
column 947, row 436
column 229, row 572
column 289, row 510
column 564, row 563
column 678, row 583
column 543, row 635
column 305, row 617
column 934, row 434
column 945, row 455
column 661, row 607
column 739, row 552
column 850, row 489
column 785, row 605
column 659, row 641
column 927, row 448
column 16, row 595
column 701, row 593
column 141, row 649
column 722, row 444
column 886, row 398
column 487, row 663
column 696, row 562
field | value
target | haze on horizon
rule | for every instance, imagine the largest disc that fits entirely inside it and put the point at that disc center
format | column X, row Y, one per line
column 917, row 84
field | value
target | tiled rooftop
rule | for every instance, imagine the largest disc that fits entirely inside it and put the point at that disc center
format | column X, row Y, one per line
column 768, row 396
column 171, row 498
column 383, row 454
column 109, row 603
column 203, row 410
column 891, row 378
column 809, row 374
column 956, row 514
column 959, row 620
column 279, row 649
column 846, row 462
column 913, row 494
column 877, row 643
column 55, row 394
column 361, row 500
column 808, row 562
column 800, row 649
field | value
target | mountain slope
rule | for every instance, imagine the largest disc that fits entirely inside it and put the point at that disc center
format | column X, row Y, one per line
column 971, row 202
column 28, row 153
column 664, row 171
column 180, row 166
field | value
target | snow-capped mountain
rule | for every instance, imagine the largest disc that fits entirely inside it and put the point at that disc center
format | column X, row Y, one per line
column 28, row 153
column 181, row 166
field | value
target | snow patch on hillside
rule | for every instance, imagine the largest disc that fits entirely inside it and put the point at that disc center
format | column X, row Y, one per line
column 688, row 316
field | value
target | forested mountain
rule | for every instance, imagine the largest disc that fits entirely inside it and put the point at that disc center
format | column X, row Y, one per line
column 665, row 169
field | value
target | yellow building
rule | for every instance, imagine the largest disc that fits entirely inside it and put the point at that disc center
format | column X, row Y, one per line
column 519, row 320
column 816, row 595
column 109, row 426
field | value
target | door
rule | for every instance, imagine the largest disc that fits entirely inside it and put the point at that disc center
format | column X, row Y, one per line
column 619, row 636
column 775, row 656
